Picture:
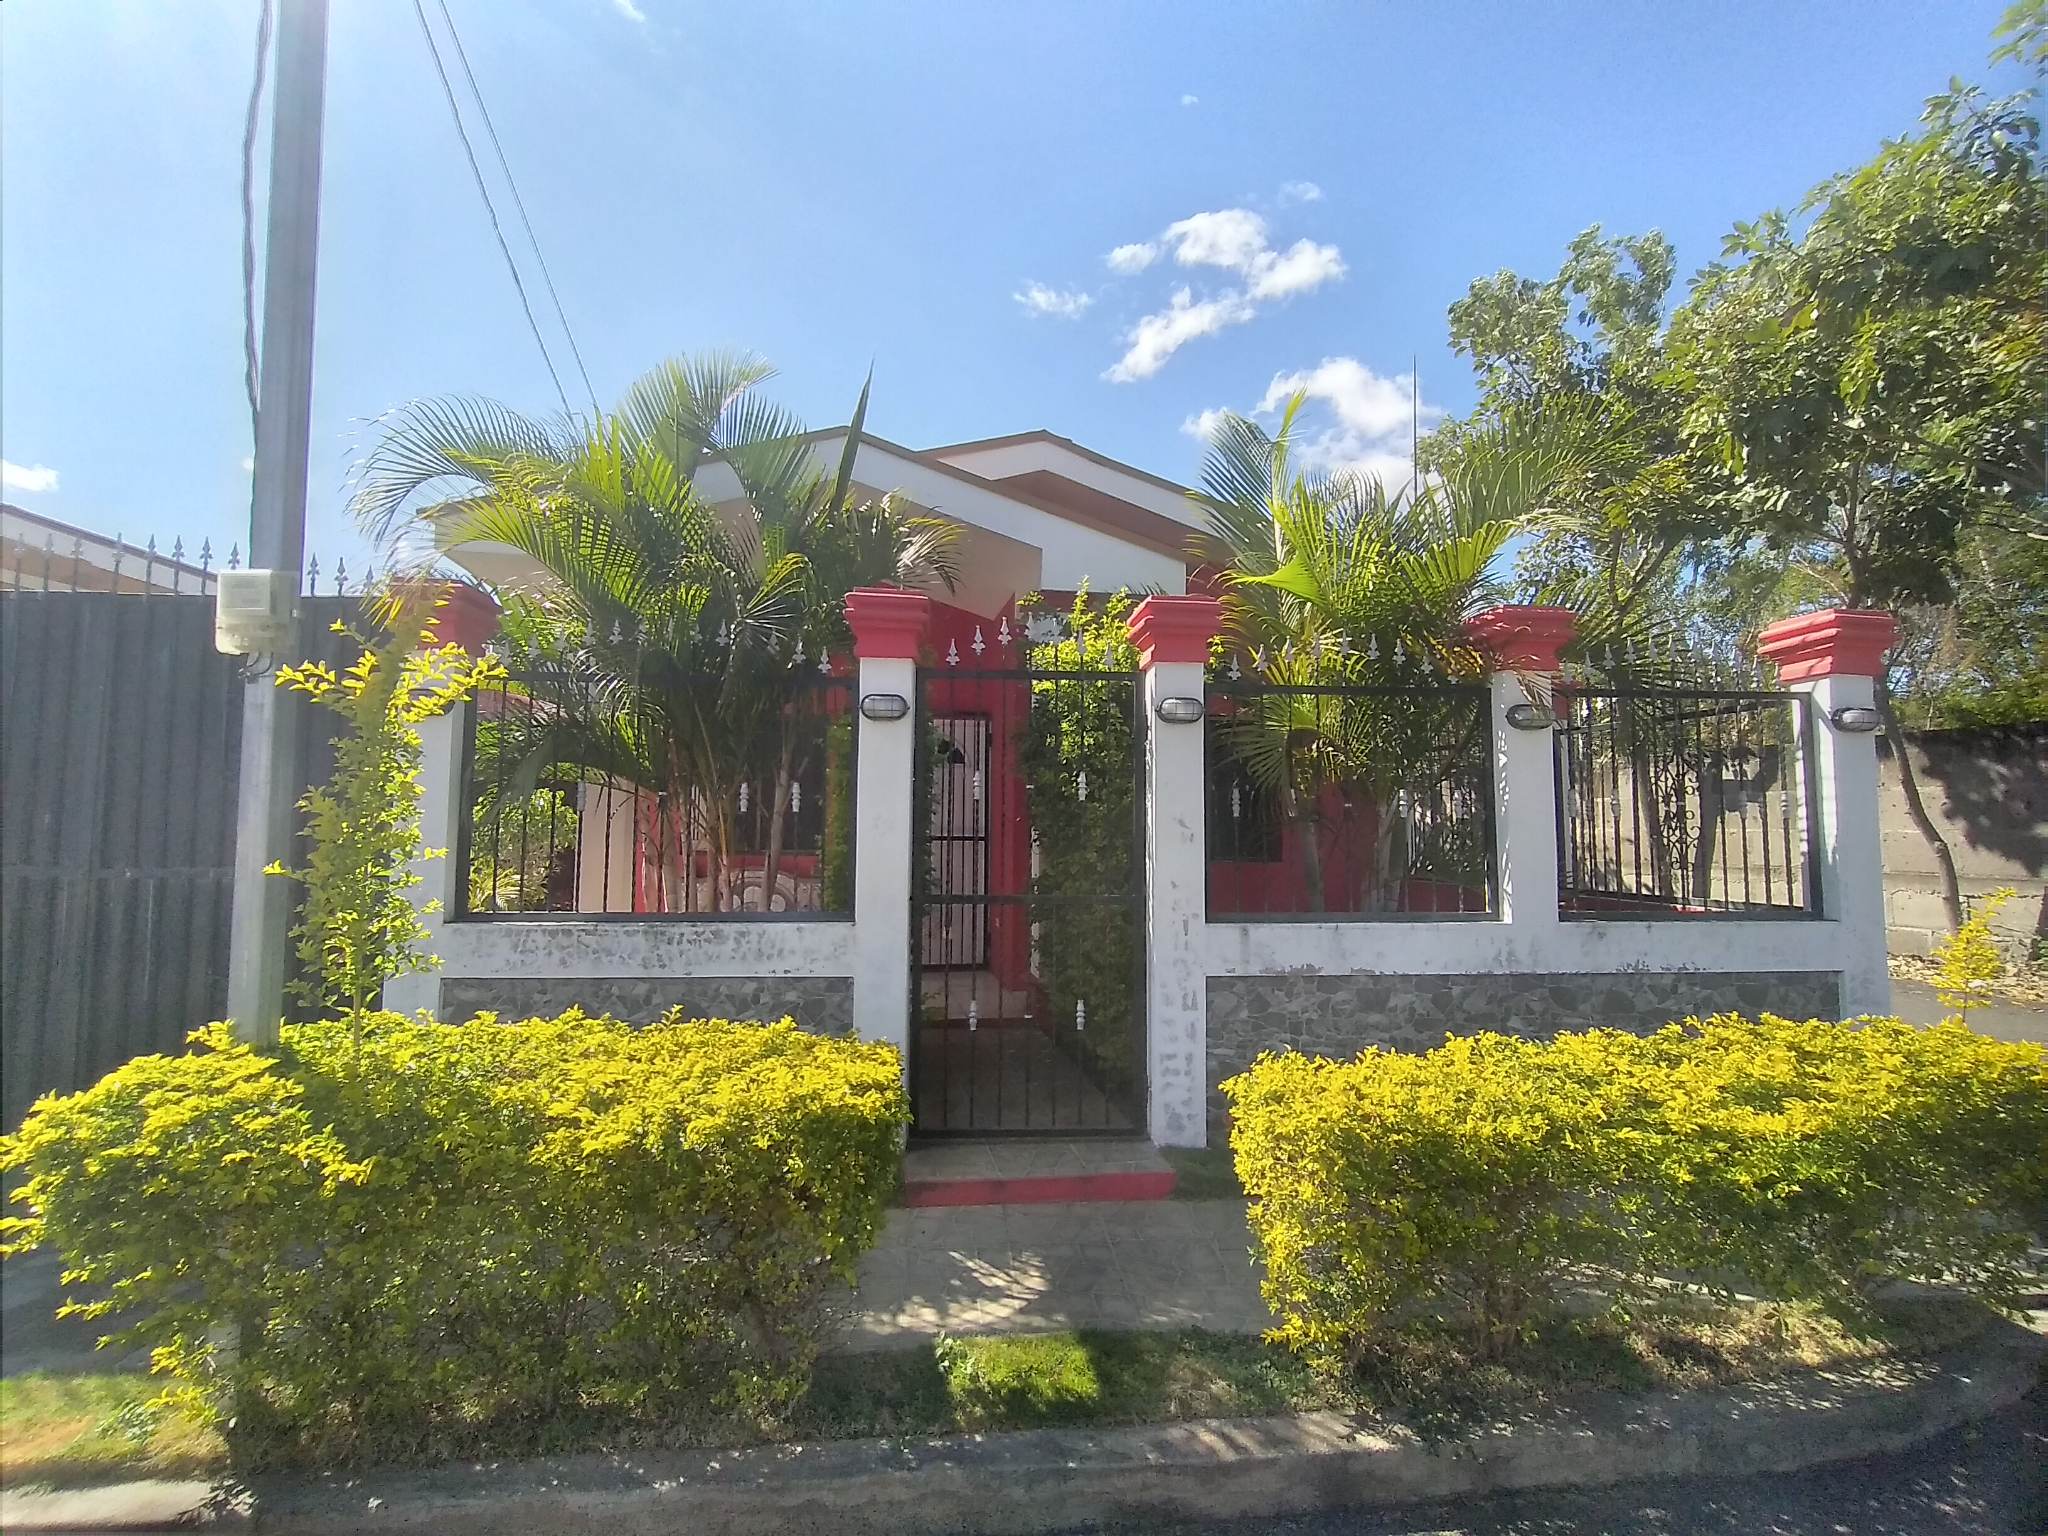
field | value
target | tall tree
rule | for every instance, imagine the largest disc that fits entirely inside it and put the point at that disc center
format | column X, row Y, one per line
column 1875, row 383
column 1583, row 352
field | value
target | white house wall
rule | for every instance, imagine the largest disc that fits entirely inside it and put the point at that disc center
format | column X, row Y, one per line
column 1070, row 553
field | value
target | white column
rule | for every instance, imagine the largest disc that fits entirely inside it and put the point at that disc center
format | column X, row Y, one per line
column 1176, row 972
column 1848, row 859
column 441, row 742
column 1524, row 818
column 883, row 774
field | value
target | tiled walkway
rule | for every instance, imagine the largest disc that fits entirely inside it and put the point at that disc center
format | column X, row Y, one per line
column 1036, row 1268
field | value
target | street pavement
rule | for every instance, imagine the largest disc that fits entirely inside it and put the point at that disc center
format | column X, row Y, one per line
column 1917, row 1003
column 1990, row 1479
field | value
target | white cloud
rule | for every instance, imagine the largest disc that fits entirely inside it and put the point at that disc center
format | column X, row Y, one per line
column 1234, row 240
column 248, row 464
column 1231, row 238
column 1062, row 304
column 1302, row 268
column 1353, row 419
column 1200, row 425
column 1158, row 336
column 1135, row 257
column 1189, row 99
column 1300, row 192
column 29, row 479
column 629, row 10
column 1368, row 404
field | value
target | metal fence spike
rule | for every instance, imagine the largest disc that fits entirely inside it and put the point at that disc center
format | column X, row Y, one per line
column 234, row 557
column 341, row 576
column 206, row 555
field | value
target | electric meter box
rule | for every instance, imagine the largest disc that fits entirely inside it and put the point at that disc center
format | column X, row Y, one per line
column 253, row 612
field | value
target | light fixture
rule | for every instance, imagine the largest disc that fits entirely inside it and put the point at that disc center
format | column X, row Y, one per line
column 884, row 706
column 1857, row 719
column 1531, row 717
column 1177, row 709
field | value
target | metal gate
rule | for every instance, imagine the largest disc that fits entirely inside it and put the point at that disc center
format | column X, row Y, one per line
column 1028, row 904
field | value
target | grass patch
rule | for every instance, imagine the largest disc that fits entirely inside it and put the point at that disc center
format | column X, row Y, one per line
column 94, row 1428
column 71, row 1428
column 1091, row 1376
column 1203, row 1173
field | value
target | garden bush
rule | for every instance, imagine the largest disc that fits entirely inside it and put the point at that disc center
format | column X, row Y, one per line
column 483, row 1236
column 1469, row 1187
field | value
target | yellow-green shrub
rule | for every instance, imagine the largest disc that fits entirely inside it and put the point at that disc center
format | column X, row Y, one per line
column 1815, row 1159
column 470, row 1236
column 1471, row 1184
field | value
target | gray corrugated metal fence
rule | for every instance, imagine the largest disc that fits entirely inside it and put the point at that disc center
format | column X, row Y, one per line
column 120, row 727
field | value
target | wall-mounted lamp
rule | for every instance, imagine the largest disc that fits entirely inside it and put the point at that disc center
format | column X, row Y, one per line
column 884, row 706
column 1857, row 719
column 1178, row 710
column 1531, row 717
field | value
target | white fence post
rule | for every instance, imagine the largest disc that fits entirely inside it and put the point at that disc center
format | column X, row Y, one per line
column 1834, row 657
column 1523, row 644
column 441, row 741
column 465, row 616
column 888, row 630
column 1172, row 635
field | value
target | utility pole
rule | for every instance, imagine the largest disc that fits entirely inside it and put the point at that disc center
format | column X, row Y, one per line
column 270, row 780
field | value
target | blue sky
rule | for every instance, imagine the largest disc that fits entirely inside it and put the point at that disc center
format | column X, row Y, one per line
column 1300, row 189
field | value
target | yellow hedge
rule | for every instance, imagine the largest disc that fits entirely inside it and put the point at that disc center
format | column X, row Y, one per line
column 447, row 1236
column 1473, row 1183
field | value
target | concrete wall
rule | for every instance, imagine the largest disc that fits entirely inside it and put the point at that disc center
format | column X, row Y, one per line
column 1342, row 1015
column 1987, row 790
column 822, row 1004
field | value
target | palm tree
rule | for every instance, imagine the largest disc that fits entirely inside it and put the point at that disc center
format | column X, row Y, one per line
column 663, row 645
column 1332, row 582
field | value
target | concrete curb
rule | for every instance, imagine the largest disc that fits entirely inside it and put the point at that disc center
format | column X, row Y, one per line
column 1042, row 1480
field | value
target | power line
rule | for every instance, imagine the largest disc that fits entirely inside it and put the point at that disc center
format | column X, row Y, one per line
column 484, row 191
column 518, row 202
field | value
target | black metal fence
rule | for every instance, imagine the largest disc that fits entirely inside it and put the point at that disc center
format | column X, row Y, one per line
column 120, row 732
column 1028, row 903
column 1675, row 803
column 587, row 799
column 1349, row 802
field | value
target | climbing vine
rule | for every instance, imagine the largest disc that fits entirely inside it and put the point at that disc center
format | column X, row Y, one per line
column 1079, row 757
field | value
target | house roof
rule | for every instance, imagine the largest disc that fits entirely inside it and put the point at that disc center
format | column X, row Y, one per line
column 1111, row 539
column 42, row 551
column 1043, row 435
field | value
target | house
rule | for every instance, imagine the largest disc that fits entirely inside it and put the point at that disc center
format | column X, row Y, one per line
column 1044, row 883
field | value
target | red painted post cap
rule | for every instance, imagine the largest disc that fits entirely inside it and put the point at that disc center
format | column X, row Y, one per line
column 1833, row 641
column 888, row 623
column 1175, row 628
column 1523, row 639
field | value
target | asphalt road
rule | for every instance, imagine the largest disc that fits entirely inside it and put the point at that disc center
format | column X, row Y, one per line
column 1988, row 1480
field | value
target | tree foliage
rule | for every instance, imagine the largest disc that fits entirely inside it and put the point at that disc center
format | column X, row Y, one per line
column 672, row 633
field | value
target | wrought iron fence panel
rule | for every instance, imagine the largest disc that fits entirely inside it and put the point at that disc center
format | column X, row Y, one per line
column 588, row 798
column 1679, row 803
column 1349, row 802
column 1028, row 903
